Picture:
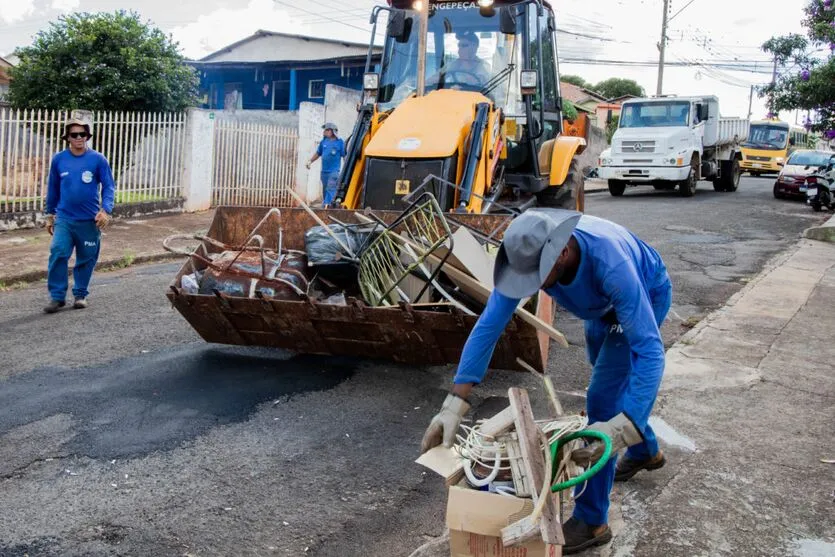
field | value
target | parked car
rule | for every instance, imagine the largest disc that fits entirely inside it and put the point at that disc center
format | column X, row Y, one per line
column 791, row 183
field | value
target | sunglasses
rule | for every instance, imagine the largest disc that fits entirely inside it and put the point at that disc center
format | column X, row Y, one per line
column 76, row 135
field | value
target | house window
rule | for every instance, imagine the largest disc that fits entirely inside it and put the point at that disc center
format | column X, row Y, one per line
column 316, row 89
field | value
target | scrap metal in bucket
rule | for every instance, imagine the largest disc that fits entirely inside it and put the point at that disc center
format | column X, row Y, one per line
column 401, row 249
column 247, row 270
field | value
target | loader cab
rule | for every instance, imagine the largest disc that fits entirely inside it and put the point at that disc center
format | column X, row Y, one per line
column 471, row 48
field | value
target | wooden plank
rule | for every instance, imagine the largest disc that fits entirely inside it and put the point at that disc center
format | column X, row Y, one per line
column 444, row 462
column 534, row 465
column 514, row 455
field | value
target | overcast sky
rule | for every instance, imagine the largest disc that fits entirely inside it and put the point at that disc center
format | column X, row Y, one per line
column 705, row 32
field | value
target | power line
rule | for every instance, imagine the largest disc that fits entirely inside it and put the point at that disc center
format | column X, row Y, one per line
column 322, row 16
column 681, row 10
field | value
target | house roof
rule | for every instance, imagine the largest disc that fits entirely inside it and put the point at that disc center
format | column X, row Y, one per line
column 5, row 63
column 619, row 100
column 269, row 46
column 579, row 95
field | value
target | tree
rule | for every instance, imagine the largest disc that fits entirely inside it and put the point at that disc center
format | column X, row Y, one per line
column 102, row 61
column 616, row 87
column 569, row 111
column 575, row 80
column 611, row 128
column 811, row 86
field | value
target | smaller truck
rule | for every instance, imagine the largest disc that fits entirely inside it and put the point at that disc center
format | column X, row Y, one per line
column 668, row 142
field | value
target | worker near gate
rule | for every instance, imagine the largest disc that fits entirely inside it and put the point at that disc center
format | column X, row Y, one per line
column 331, row 149
column 602, row 273
column 78, row 178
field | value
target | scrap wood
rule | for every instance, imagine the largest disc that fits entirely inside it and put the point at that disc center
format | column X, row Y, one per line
column 462, row 278
column 535, row 468
column 445, row 462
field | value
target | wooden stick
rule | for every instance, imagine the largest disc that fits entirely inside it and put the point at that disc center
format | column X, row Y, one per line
column 549, row 387
column 321, row 223
column 463, row 278
column 533, row 462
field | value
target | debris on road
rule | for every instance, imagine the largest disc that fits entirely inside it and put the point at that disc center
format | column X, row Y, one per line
column 405, row 286
column 503, row 472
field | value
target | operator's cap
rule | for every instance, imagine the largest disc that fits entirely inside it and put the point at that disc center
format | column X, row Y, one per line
column 330, row 126
column 530, row 248
column 75, row 122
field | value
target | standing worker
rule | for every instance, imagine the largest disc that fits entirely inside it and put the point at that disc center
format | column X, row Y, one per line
column 331, row 149
column 619, row 286
column 74, row 216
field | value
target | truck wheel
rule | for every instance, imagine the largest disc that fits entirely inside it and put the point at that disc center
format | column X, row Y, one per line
column 571, row 195
column 616, row 187
column 729, row 180
column 687, row 187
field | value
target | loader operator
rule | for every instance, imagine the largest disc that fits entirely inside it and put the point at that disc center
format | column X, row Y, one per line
column 467, row 70
column 619, row 286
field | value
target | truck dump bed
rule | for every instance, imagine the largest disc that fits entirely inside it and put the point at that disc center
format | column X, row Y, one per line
column 732, row 130
column 416, row 334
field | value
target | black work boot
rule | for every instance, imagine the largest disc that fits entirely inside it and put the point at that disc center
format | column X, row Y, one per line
column 54, row 306
column 580, row 536
column 628, row 467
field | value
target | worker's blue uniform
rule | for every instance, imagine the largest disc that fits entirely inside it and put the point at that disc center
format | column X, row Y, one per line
column 623, row 292
column 331, row 150
column 73, row 196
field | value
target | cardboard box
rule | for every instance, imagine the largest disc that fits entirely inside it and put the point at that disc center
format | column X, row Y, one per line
column 476, row 518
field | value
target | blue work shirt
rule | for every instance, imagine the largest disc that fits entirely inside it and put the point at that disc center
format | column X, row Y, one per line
column 74, row 185
column 331, row 151
column 617, row 271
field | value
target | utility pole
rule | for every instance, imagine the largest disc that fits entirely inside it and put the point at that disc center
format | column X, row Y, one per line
column 661, row 48
column 750, row 101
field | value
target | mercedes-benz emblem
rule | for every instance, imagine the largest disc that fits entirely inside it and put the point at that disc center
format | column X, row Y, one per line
column 638, row 147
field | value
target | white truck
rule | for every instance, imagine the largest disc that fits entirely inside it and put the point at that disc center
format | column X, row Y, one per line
column 669, row 141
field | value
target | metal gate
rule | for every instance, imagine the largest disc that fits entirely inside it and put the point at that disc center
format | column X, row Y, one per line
column 254, row 164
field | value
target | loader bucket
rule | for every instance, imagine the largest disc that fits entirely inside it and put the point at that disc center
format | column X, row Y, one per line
column 407, row 334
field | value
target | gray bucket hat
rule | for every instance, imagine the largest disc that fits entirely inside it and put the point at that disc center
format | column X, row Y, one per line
column 531, row 245
column 330, row 126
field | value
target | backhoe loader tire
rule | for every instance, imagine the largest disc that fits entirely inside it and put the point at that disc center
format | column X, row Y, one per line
column 571, row 195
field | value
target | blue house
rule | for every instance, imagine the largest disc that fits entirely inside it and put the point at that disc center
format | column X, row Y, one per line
column 277, row 71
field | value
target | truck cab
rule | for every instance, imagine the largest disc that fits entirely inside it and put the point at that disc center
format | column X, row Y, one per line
column 670, row 142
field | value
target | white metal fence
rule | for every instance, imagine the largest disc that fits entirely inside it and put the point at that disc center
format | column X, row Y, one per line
column 255, row 164
column 145, row 151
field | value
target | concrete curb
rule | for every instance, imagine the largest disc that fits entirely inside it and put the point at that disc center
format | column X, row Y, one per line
column 35, row 276
column 823, row 233
column 594, row 185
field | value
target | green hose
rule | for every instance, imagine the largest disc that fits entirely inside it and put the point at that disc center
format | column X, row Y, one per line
column 601, row 462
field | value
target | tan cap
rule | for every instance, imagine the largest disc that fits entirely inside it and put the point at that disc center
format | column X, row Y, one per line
column 75, row 122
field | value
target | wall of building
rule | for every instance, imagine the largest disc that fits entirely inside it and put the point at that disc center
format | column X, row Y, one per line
column 274, row 86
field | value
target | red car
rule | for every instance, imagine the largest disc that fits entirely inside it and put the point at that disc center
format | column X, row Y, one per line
column 791, row 183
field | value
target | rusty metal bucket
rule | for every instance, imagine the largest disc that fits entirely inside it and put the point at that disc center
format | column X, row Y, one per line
column 407, row 334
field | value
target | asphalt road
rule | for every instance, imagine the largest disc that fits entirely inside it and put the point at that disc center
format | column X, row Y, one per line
column 123, row 433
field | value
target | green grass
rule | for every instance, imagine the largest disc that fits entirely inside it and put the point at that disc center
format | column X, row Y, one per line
column 13, row 286
column 128, row 257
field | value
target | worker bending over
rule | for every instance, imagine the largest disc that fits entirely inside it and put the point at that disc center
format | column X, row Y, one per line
column 619, row 286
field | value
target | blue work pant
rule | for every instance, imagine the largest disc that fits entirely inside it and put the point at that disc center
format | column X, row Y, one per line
column 611, row 358
column 330, row 180
column 85, row 238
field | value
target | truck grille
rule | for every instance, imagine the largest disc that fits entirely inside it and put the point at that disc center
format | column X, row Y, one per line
column 638, row 146
column 761, row 159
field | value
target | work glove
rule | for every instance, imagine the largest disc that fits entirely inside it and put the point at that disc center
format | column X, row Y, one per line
column 102, row 219
column 307, row 165
column 50, row 224
column 619, row 429
column 445, row 424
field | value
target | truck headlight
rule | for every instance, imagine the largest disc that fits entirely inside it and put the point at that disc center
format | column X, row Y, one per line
column 605, row 161
column 779, row 160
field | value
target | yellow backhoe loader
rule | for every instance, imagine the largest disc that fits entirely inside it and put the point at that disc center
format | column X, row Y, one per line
column 465, row 104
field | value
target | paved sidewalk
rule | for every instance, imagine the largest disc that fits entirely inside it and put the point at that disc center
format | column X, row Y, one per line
column 24, row 253
column 745, row 416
